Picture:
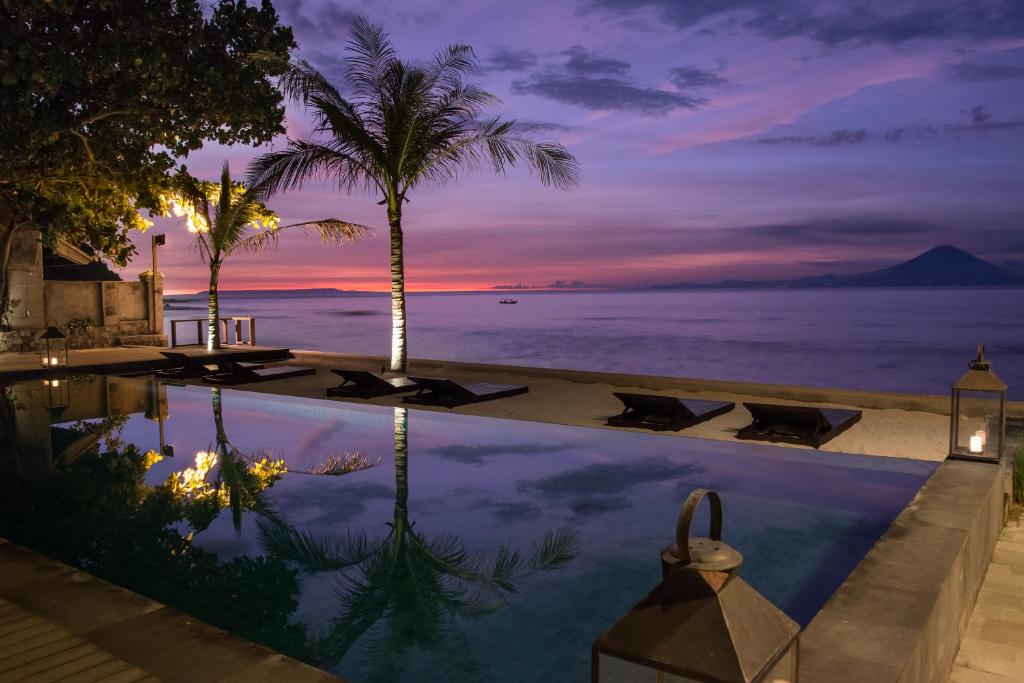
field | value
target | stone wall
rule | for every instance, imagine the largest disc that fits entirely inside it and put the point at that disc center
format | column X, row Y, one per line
column 91, row 313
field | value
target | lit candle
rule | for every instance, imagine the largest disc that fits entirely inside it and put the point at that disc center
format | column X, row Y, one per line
column 981, row 434
column 976, row 445
column 53, row 360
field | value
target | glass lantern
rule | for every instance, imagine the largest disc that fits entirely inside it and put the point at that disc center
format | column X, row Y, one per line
column 702, row 622
column 55, row 351
column 977, row 414
column 56, row 394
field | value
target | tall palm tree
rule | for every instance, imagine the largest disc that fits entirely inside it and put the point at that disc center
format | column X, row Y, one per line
column 399, row 127
column 227, row 217
column 406, row 590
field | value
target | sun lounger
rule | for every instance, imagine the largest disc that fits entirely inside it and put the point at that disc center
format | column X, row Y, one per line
column 662, row 413
column 189, row 367
column 363, row 384
column 444, row 392
column 803, row 425
column 243, row 375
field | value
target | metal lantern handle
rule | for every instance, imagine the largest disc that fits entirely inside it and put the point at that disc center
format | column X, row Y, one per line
column 686, row 518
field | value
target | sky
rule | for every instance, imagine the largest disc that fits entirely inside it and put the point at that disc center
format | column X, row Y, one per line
column 749, row 139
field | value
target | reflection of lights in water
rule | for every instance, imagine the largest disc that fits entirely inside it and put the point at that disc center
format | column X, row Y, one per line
column 192, row 481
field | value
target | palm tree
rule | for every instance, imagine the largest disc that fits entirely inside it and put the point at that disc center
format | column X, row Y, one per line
column 227, row 217
column 403, row 126
column 406, row 590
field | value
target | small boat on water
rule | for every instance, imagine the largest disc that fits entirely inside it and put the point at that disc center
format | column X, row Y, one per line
column 508, row 301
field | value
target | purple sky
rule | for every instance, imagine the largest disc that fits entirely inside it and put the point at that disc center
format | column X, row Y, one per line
column 728, row 139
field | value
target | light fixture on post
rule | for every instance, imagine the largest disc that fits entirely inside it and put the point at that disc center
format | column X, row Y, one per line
column 55, row 351
column 977, row 413
column 702, row 622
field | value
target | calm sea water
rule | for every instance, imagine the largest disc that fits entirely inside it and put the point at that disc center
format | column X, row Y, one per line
column 915, row 340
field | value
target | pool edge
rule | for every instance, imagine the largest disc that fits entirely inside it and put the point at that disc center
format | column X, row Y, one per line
column 902, row 612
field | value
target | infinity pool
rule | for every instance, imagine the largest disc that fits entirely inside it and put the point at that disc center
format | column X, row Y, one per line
column 466, row 548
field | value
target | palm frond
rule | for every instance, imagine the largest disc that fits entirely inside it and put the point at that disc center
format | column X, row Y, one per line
column 558, row 548
column 370, row 54
column 312, row 553
column 290, row 168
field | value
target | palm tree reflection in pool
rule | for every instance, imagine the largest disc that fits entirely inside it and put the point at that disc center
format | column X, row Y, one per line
column 239, row 482
column 406, row 591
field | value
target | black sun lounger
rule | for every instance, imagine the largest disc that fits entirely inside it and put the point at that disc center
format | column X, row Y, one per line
column 243, row 375
column 444, row 392
column 189, row 367
column 663, row 413
column 363, row 384
column 802, row 425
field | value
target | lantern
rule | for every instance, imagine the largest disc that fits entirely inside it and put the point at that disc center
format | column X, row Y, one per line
column 977, row 414
column 56, row 395
column 55, row 352
column 702, row 622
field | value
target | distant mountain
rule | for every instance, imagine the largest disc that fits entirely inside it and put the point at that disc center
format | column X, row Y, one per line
column 273, row 294
column 942, row 266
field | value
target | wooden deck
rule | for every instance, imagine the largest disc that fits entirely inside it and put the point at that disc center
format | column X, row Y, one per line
column 15, row 366
column 33, row 648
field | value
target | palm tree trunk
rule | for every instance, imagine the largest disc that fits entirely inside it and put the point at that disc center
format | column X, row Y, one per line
column 213, row 318
column 401, row 465
column 399, row 340
column 218, row 416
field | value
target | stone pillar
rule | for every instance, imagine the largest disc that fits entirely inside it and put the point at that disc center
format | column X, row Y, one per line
column 25, row 277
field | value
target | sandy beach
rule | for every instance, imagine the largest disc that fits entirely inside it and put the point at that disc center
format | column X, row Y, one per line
column 919, row 433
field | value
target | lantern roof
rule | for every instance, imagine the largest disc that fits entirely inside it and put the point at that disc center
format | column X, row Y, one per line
column 52, row 333
column 686, row 628
column 979, row 376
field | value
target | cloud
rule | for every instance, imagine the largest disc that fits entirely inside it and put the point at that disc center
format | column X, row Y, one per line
column 869, row 22
column 838, row 137
column 600, row 83
column 689, row 77
column 604, row 94
column 583, row 62
column 505, row 59
column 966, row 71
column 846, row 230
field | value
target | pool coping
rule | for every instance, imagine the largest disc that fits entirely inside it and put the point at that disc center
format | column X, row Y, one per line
column 145, row 634
column 902, row 612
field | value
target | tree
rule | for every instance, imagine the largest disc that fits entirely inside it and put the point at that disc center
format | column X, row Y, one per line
column 226, row 217
column 402, row 126
column 98, row 98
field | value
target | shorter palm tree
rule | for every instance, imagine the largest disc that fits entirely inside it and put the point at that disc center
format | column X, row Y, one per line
column 226, row 217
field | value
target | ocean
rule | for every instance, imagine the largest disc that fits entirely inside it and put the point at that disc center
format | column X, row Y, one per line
column 910, row 340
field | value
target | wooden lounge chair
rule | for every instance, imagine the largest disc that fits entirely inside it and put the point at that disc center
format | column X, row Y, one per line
column 662, row 413
column 444, row 392
column 803, row 425
column 363, row 384
column 243, row 375
column 189, row 367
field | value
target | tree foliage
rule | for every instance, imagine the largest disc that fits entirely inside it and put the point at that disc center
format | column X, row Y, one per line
column 101, row 97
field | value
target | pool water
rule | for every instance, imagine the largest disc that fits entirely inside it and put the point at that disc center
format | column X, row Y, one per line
column 467, row 548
